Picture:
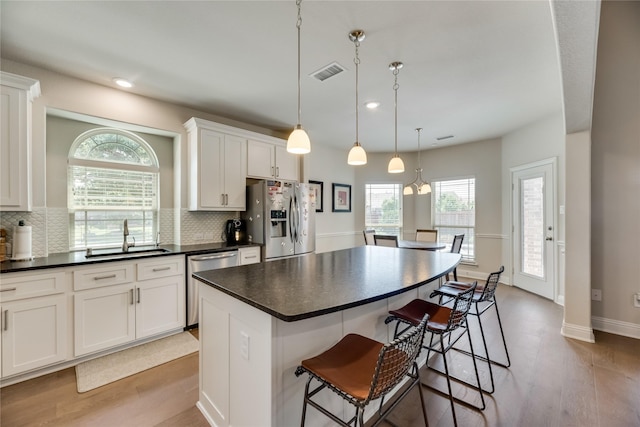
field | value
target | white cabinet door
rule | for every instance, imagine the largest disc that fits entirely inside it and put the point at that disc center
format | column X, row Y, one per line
column 160, row 305
column 286, row 164
column 16, row 96
column 271, row 161
column 104, row 318
column 34, row 333
column 235, row 173
column 217, row 169
column 260, row 159
column 211, row 170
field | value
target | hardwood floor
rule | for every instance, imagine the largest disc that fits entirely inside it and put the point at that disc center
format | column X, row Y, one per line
column 553, row 381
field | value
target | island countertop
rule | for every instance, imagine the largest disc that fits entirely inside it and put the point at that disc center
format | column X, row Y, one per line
column 299, row 288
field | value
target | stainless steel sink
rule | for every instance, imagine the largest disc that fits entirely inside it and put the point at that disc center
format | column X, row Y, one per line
column 130, row 254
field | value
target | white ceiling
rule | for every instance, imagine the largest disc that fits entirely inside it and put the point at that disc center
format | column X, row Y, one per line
column 473, row 69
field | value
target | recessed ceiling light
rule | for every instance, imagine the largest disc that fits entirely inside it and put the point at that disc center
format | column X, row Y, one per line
column 122, row 82
column 372, row 105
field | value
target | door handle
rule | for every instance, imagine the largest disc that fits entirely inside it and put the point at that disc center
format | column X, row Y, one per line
column 5, row 319
column 138, row 290
column 131, row 295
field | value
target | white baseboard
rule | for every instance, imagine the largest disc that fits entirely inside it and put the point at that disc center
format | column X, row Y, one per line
column 577, row 332
column 617, row 327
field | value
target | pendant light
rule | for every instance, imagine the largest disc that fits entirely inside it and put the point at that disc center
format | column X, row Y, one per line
column 421, row 186
column 298, row 142
column 396, row 165
column 357, row 155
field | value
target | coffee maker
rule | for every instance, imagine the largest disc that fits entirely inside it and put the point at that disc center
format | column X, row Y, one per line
column 235, row 231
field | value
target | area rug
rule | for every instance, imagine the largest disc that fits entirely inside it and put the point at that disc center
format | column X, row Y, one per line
column 107, row 369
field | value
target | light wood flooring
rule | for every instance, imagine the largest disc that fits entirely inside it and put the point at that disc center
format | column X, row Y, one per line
column 553, row 381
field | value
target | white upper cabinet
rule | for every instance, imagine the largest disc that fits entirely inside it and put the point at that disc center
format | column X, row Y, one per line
column 270, row 160
column 15, row 141
column 217, row 167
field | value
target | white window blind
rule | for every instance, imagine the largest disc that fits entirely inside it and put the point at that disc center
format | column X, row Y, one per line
column 383, row 208
column 111, row 189
column 454, row 205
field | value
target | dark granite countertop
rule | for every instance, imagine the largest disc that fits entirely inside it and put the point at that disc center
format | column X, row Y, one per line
column 67, row 259
column 303, row 287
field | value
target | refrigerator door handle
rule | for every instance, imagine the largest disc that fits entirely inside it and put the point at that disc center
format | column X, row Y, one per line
column 290, row 221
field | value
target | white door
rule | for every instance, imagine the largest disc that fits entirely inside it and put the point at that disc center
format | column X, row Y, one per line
column 533, row 195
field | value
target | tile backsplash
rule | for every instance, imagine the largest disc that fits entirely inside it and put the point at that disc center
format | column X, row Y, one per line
column 50, row 227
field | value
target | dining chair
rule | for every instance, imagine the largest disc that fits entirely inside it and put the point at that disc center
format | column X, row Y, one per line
column 359, row 370
column 424, row 235
column 368, row 236
column 455, row 249
column 385, row 240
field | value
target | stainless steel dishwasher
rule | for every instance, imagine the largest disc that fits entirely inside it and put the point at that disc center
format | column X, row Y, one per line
column 203, row 262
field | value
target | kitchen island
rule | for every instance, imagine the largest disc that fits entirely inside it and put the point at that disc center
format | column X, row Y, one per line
column 258, row 322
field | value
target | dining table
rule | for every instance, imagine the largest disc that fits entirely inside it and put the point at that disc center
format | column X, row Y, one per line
column 425, row 246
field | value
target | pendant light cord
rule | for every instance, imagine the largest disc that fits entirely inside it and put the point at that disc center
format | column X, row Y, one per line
column 395, row 88
column 357, row 62
column 298, row 25
column 419, row 163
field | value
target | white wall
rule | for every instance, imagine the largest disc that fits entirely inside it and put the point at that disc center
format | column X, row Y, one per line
column 541, row 140
column 615, row 165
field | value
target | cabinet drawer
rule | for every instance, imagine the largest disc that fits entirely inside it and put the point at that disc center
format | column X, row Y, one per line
column 27, row 285
column 249, row 255
column 160, row 267
column 97, row 277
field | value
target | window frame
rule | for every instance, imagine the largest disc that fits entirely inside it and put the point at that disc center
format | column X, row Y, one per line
column 468, row 250
column 145, row 216
column 399, row 186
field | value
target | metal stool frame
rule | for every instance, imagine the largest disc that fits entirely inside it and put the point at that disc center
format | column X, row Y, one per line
column 457, row 319
column 485, row 295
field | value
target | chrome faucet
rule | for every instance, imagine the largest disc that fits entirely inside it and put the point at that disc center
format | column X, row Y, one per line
column 125, row 244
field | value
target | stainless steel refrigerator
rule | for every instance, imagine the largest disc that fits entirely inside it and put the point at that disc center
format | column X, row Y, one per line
column 281, row 216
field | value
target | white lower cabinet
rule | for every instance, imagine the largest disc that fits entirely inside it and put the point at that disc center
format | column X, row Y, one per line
column 103, row 318
column 110, row 315
column 34, row 333
column 33, row 320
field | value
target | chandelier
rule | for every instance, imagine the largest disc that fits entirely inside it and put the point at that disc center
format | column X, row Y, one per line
column 421, row 186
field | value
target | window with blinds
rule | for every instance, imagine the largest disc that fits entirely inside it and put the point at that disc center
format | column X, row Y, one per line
column 112, row 175
column 454, row 204
column 383, row 208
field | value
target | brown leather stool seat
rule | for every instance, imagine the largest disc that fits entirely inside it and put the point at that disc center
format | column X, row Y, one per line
column 360, row 370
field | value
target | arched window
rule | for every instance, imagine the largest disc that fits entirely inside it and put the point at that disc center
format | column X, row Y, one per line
column 113, row 175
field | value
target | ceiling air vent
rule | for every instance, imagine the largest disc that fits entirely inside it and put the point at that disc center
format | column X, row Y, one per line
column 328, row 71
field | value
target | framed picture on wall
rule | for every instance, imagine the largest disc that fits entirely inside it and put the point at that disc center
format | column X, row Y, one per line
column 341, row 197
column 317, row 187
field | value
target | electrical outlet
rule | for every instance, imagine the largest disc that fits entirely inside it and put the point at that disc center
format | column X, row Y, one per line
column 596, row 294
column 636, row 300
column 244, row 345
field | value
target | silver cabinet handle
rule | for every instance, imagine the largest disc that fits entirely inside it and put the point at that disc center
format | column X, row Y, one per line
column 277, row 171
column 221, row 199
column 131, row 294
column 161, row 268
column 549, row 239
column 226, row 199
column 108, row 276
column 138, row 290
column 251, row 257
column 8, row 289
column 273, row 172
column 5, row 319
